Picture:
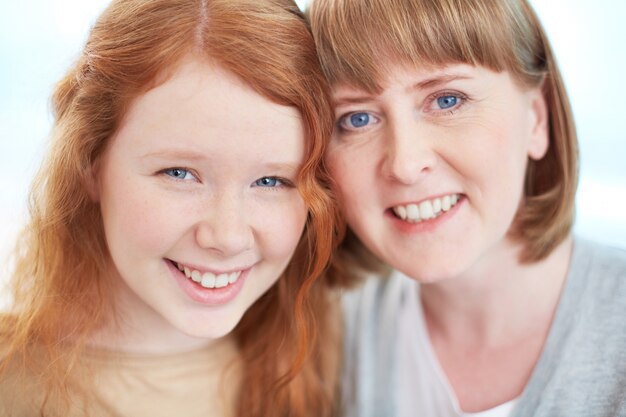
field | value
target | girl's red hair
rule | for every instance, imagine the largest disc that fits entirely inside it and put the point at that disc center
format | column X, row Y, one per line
column 59, row 292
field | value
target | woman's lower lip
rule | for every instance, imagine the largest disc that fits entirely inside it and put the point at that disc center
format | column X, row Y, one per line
column 424, row 226
column 207, row 296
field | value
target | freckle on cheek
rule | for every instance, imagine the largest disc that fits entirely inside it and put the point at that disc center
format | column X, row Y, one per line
column 147, row 224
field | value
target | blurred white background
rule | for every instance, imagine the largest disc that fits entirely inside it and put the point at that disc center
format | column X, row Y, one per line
column 39, row 39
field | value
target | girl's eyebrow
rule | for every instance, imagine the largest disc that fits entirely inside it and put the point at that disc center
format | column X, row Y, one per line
column 281, row 167
column 178, row 154
column 174, row 153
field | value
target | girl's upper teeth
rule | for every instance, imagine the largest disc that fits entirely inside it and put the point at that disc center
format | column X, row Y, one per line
column 427, row 209
column 209, row 279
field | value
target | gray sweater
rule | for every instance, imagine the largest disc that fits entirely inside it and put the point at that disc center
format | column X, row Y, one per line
column 581, row 371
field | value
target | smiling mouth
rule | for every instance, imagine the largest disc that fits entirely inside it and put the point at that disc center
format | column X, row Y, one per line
column 209, row 279
column 425, row 210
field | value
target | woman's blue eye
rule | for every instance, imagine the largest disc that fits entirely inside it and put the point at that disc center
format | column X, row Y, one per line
column 268, row 182
column 178, row 173
column 446, row 102
column 359, row 119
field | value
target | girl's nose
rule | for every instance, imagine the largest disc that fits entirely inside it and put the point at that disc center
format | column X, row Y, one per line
column 225, row 228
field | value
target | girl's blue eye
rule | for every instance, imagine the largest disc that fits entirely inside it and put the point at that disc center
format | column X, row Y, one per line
column 268, row 182
column 446, row 102
column 178, row 173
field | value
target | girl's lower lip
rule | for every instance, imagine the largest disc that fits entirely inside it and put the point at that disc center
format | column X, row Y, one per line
column 425, row 226
column 207, row 296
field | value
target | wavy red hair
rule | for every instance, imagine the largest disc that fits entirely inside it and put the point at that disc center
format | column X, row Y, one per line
column 57, row 287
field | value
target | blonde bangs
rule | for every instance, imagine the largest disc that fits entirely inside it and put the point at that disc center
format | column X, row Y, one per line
column 354, row 38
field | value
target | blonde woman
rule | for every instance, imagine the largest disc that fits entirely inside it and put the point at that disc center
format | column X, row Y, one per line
column 455, row 159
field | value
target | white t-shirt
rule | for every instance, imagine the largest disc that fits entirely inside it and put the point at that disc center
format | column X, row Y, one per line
column 424, row 385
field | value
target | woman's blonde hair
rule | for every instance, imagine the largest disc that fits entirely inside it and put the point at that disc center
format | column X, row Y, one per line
column 59, row 294
column 353, row 37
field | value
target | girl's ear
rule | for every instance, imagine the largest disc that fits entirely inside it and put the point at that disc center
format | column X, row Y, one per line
column 539, row 136
column 92, row 183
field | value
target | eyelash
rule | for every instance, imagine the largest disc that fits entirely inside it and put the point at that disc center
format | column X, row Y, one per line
column 345, row 117
column 167, row 172
column 462, row 100
column 282, row 182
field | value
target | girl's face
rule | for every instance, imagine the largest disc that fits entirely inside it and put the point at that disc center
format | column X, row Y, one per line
column 431, row 171
column 199, row 201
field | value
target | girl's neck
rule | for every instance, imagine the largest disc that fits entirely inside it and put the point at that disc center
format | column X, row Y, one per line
column 125, row 337
column 132, row 326
column 498, row 301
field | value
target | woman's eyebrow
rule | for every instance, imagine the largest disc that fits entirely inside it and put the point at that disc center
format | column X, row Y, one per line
column 351, row 99
column 437, row 80
column 430, row 81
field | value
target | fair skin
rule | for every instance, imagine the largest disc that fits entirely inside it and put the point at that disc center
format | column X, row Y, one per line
column 200, row 208
column 430, row 173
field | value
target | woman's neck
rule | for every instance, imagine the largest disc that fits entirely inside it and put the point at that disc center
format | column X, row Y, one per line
column 499, row 301
column 488, row 327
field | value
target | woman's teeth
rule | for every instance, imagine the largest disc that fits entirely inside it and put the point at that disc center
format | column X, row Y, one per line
column 427, row 209
column 209, row 279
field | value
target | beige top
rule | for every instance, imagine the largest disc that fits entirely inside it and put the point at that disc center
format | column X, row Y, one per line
column 197, row 383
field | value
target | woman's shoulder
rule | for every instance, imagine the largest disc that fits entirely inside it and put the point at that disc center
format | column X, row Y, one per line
column 600, row 251
column 600, row 265
column 597, row 287
column 582, row 367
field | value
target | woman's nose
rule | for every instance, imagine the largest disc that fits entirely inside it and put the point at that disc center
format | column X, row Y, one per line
column 408, row 153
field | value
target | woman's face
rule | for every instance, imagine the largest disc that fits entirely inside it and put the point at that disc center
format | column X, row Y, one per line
column 430, row 172
column 199, row 202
